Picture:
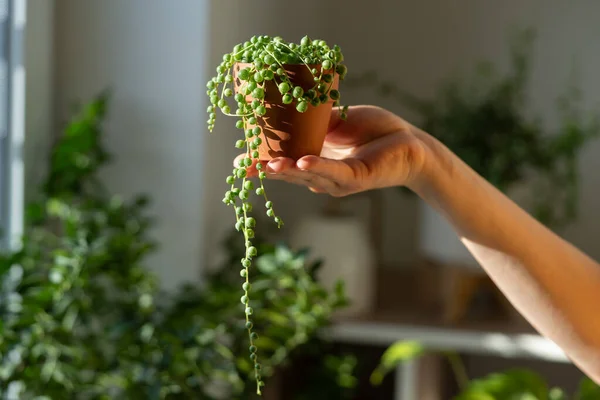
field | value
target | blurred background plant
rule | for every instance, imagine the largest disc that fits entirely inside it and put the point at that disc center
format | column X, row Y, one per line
column 81, row 317
column 486, row 122
column 516, row 383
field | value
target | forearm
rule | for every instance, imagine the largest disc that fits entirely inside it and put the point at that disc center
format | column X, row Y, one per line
column 553, row 284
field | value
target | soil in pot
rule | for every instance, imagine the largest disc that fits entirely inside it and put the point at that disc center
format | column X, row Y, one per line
column 286, row 132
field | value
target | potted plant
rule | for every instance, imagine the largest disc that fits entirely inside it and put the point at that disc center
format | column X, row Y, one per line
column 285, row 93
column 487, row 124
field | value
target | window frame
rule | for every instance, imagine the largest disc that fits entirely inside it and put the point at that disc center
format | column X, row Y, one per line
column 12, row 121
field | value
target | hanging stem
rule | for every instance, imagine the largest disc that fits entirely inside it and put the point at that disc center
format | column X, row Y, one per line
column 459, row 370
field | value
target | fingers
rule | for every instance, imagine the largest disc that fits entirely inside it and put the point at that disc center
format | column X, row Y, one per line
column 279, row 165
column 319, row 175
column 276, row 169
column 338, row 171
column 315, row 183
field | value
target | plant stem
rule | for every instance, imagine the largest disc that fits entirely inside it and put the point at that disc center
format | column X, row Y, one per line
column 459, row 370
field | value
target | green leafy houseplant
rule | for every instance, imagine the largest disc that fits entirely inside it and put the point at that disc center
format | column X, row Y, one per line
column 81, row 317
column 77, row 274
column 291, row 308
column 486, row 122
column 284, row 93
column 517, row 383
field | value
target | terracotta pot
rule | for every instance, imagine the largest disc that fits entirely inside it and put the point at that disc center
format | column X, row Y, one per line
column 285, row 131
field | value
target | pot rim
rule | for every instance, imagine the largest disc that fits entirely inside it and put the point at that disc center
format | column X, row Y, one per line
column 289, row 65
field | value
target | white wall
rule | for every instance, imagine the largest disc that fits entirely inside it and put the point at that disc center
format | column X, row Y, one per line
column 39, row 65
column 152, row 53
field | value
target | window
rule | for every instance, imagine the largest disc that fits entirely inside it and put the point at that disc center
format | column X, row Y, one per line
column 12, row 120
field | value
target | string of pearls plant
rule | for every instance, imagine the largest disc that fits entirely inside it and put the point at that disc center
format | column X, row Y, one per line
column 261, row 60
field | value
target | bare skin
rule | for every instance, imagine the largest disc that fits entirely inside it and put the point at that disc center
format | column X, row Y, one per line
column 555, row 286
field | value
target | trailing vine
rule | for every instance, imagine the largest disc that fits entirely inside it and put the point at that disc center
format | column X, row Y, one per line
column 242, row 76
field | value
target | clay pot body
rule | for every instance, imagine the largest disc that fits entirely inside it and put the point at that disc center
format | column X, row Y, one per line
column 285, row 131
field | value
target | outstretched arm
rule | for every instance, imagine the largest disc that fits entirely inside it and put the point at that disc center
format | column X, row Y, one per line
column 550, row 282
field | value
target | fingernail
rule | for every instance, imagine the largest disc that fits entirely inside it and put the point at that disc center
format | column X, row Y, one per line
column 303, row 164
column 273, row 165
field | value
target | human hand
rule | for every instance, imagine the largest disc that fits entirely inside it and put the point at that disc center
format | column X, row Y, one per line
column 372, row 149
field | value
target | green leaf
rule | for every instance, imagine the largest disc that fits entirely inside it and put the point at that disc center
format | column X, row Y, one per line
column 70, row 318
column 340, row 289
column 276, row 318
column 340, row 299
column 35, row 213
column 146, row 333
column 395, row 355
column 557, row 394
column 267, row 264
column 314, row 268
column 475, row 395
column 41, row 295
column 283, row 254
column 266, row 343
column 48, row 369
column 588, row 390
column 509, row 385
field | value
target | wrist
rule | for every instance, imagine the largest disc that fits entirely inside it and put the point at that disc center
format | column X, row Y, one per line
column 437, row 167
